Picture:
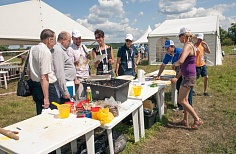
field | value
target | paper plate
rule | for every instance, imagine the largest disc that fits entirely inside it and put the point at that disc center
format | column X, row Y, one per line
column 125, row 77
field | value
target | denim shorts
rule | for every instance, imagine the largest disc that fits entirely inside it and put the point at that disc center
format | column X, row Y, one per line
column 188, row 82
column 201, row 71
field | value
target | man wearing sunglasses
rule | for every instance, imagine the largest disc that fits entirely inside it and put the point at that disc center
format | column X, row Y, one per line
column 126, row 64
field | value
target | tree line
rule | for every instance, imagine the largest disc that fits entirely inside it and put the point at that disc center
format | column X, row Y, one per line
column 228, row 38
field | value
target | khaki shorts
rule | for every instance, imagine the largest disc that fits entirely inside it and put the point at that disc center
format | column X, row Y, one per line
column 188, row 82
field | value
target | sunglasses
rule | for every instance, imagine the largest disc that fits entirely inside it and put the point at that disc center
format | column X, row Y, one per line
column 128, row 41
column 181, row 35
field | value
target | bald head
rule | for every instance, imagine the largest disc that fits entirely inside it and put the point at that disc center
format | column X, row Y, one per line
column 64, row 38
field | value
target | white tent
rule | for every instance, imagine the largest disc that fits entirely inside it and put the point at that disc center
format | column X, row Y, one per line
column 143, row 38
column 22, row 23
column 169, row 29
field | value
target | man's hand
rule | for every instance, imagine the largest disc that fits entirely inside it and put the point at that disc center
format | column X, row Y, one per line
column 88, row 56
column 66, row 96
column 173, row 67
column 77, row 81
column 46, row 103
column 157, row 78
column 174, row 80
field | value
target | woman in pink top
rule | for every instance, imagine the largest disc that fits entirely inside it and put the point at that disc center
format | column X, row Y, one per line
column 187, row 61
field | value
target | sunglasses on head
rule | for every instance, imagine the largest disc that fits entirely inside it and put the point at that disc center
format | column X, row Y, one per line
column 181, row 35
column 128, row 41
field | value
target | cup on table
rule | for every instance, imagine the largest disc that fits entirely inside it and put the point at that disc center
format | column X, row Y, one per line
column 64, row 110
column 137, row 90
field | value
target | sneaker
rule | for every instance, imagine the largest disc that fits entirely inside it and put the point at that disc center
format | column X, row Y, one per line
column 206, row 94
column 177, row 109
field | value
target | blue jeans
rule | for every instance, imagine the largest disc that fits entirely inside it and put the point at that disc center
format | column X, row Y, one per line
column 38, row 96
column 190, row 95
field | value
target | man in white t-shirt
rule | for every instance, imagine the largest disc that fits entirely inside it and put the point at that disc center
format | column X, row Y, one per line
column 80, row 57
column 40, row 70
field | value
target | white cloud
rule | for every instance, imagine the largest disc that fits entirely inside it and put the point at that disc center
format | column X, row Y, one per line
column 140, row 13
column 69, row 15
column 109, row 16
column 175, row 6
column 183, row 9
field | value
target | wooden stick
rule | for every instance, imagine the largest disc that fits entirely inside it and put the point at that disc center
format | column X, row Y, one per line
column 9, row 134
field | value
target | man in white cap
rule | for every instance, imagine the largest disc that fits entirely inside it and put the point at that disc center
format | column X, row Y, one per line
column 80, row 56
column 201, row 68
column 126, row 64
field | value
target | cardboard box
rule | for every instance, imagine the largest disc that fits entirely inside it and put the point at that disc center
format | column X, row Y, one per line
column 148, row 104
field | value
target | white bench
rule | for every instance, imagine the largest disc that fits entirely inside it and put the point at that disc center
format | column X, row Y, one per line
column 3, row 74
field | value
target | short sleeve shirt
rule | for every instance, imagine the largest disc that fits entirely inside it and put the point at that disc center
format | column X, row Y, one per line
column 123, row 52
column 172, row 58
column 40, row 63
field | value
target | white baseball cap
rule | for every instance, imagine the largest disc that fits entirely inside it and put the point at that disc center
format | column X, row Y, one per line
column 183, row 30
column 168, row 43
column 200, row 36
column 129, row 37
column 76, row 33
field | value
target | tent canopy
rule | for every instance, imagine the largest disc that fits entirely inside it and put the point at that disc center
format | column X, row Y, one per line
column 22, row 23
column 205, row 25
column 144, row 39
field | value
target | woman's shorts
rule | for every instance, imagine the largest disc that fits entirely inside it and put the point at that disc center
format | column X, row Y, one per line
column 188, row 82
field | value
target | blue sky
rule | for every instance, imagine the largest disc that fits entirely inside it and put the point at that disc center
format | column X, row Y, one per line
column 119, row 17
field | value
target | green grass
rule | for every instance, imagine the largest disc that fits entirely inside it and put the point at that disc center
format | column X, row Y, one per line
column 217, row 135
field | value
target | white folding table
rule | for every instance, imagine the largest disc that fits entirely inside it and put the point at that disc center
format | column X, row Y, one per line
column 44, row 133
column 129, row 106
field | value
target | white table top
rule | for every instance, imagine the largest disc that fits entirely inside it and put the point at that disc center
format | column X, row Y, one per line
column 127, row 107
column 44, row 133
column 146, row 91
column 10, row 67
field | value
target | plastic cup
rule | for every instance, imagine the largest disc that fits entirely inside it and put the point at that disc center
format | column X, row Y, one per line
column 72, row 107
column 137, row 90
column 64, row 110
column 94, row 111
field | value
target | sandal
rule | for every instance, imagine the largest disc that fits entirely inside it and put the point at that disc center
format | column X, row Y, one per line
column 183, row 123
column 196, row 124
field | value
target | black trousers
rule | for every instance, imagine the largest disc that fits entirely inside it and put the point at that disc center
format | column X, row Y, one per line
column 38, row 96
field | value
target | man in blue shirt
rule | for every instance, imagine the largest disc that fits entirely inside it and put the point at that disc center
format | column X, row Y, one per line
column 126, row 64
column 172, row 56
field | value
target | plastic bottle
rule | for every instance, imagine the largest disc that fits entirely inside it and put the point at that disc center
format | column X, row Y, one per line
column 89, row 94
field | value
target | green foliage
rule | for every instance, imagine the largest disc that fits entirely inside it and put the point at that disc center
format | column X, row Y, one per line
column 227, row 41
column 232, row 32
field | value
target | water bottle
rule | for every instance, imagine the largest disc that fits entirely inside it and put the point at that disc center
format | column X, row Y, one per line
column 89, row 94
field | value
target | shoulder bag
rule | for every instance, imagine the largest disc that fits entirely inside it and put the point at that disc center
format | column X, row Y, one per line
column 24, row 87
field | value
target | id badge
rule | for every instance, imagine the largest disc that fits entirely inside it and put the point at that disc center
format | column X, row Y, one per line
column 105, row 68
column 129, row 64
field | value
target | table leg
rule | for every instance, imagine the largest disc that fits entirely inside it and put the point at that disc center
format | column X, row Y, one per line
column 73, row 145
column 5, row 80
column 110, row 140
column 90, row 142
column 160, row 102
column 135, row 125
column 173, row 93
column 141, row 121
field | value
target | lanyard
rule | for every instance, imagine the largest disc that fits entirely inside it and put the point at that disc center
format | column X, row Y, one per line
column 105, row 53
column 172, row 58
column 127, row 56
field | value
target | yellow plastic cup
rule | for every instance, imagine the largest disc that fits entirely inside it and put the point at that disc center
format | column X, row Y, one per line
column 137, row 90
column 64, row 110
